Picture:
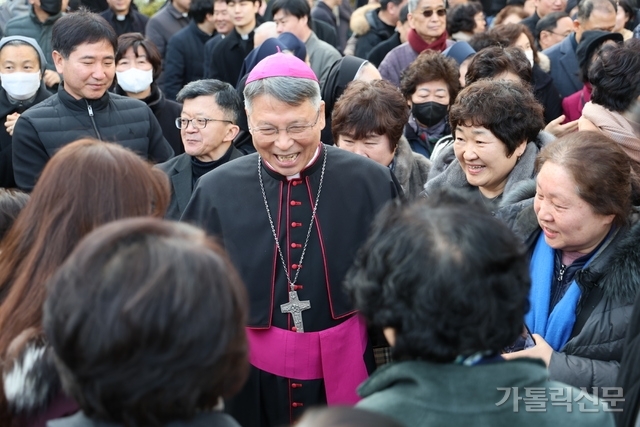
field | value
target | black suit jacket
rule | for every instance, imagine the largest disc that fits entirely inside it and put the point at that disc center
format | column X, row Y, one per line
column 179, row 171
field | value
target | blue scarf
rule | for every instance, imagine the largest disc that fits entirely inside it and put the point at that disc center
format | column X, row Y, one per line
column 556, row 327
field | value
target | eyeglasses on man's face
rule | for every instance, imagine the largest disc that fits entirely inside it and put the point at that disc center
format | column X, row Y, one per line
column 428, row 13
column 294, row 129
column 199, row 123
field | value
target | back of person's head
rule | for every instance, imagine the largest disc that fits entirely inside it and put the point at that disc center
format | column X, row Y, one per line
column 85, row 184
column 370, row 108
column 297, row 8
column 492, row 62
column 461, row 17
column 146, row 319
column 615, row 79
column 487, row 39
column 199, row 9
column 136, row 41
column 225, row 95
column 472, row 298
column 12, row 202
column 73, row 29
column 586, row 8
column 404, row 14
column 384, row 4
column 340, row 416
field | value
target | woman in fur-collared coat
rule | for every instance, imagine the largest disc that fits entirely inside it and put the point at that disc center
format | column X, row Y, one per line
column 368, row 120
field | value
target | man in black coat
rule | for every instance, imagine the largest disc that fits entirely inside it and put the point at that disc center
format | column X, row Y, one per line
column 382, row 24
column 184, row 59
column 124, row 17
column 377, row 53
column 83, row 107
column 292, row 217
column 208, row 126
column 228, row 55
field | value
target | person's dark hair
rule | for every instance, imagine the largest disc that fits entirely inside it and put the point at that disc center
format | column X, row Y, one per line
column 342, row 416
column 461, row 17
column 508, row 109
column 511, row 33
column 73, row 29
column 146, row 319
column 85, row 184
column 607, row 188
column 509, row 10
column 430, row 66
column 629, row 10
column 472, row 299
column 12, row 201
column 297, row 8
column 136, row 41
column 549, row 23
column 384, row 4
column 199, row 9
column 225, row 95
column 370, row 108
column 486, row 39
column 404, row 14
column 586, row 7
column 615, row 78
column 494, row 61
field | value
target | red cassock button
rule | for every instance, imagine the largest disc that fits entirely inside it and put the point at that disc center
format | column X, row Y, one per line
column 297, row 404
column 294, row 266
column 295, row 203
column 294, row 329
column 296, row 245
column 296, row 224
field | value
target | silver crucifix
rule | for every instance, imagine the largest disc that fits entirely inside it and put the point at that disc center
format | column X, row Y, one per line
column 295, row 307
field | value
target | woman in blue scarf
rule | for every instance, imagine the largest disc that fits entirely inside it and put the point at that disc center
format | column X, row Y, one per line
column 585, row 265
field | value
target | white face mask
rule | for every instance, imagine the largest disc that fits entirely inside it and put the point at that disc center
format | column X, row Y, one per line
column 134, row 80
column 529, row 54
column 20, row 86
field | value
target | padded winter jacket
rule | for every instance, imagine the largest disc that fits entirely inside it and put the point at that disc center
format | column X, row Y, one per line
column 55, row 122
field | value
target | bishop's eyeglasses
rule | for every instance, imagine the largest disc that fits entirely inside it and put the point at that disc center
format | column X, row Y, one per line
column 199, row 123
column 294, row 129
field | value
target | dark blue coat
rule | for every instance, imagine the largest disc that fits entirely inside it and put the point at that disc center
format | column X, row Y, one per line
column 184, row 59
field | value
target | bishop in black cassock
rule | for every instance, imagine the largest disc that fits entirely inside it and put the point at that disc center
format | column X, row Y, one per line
column 293, row 370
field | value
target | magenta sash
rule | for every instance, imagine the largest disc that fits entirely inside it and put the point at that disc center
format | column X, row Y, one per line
column 335, row 355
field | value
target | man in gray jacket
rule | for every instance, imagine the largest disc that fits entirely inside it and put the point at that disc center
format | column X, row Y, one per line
column 84, row 53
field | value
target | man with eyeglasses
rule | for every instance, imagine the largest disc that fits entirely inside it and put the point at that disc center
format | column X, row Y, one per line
column 428, row 21
column 207, row 126
column 543, row 8
column 292, row 217
column 592, row 15
column 552, row 29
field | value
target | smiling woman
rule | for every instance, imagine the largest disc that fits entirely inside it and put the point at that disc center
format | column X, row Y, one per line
column 583, row 259
column 496, row 126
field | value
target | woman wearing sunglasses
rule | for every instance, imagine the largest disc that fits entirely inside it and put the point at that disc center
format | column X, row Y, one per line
column 428, row 19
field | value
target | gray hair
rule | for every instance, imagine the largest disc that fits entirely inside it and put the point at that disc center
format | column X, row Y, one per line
column 413, row 4
column 225, row 95
column 290, row 90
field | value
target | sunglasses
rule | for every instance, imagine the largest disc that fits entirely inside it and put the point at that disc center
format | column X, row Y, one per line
column 429, row 13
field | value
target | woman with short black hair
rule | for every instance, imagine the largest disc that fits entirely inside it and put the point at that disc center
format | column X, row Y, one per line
column 146, row 320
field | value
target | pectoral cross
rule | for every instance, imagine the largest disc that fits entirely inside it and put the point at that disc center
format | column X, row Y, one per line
column 295, row 307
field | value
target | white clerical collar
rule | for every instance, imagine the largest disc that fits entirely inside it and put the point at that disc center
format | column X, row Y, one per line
column 297, row 176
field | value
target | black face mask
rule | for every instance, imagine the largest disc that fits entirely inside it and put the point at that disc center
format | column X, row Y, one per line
column 429, row 113
column 52, row 7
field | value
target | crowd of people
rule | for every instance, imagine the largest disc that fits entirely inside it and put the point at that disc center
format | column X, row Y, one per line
column 241, row 213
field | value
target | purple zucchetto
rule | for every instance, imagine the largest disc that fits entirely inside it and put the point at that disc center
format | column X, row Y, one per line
column 281, row 65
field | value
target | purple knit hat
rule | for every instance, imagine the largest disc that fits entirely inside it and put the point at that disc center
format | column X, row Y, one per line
column 281, row 65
